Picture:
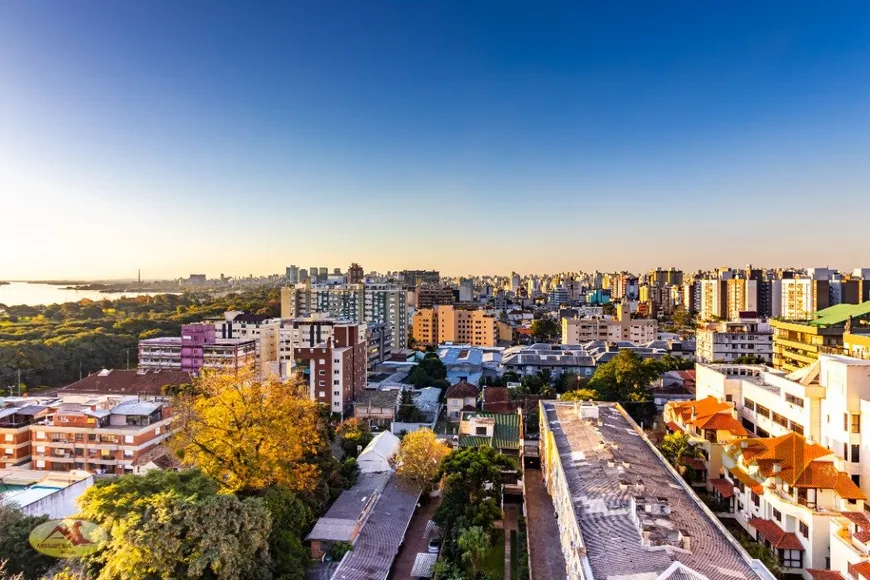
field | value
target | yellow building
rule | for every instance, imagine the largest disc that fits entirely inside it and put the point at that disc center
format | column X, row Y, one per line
column 798, row 344
column 446, row 323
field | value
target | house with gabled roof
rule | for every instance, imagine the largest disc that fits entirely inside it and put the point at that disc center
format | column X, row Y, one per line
column 709, row 425
column 785, row 492
column 501, row 431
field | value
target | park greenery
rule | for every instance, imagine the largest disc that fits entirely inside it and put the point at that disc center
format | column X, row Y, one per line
column 53, row 345
column 429, row 372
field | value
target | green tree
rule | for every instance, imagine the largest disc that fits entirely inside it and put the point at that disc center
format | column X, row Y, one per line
column 675, row 363
column 15, row 550
column 625, row 378
column 353, row 435
column 579, row 395
column 681, row 317
column 291, row 519
column 175, row 525
column 674, row 446
column 474, row 543
column 750, row 359
column 545, row 330
column 408, row 411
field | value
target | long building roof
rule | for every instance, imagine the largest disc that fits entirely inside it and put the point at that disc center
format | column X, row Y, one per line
column 611, row 470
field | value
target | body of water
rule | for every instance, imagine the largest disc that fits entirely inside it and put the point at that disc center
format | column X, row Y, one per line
column 34, row 294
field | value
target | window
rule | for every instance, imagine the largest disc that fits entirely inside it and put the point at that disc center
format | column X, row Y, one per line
column 321, row 372
column 336, row 382
column 128, row 438
column 794, row 400
column 762, row 410
column 749, row 404
column 777, row 515
column 797, row 428
column 756, row 499
column 322, row 394
column 846, row 422
column 791, row 558
column 780, row 420
column 728, row 398
column 336, row 393
column 321, row 383
column 856, row 424
column 748, row 425
column 804, row 529
column 856, row 479
column 480, row 430
column 856, row 453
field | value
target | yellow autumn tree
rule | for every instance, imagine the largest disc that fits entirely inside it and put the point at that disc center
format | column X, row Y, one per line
column 419, row 458
column 249, row 432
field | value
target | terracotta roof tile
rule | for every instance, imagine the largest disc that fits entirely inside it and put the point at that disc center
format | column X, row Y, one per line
column 722, row 422
column 746, row 479
column 122, row 382
column 723, row 486
column 824, row 574
column 462, row 389
column 776, row 535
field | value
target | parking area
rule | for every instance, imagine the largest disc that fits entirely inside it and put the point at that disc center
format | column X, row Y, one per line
column 545, row 554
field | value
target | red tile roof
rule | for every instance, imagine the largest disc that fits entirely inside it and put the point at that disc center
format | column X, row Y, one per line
column 723, row 486
column 862, row 569
column 496, row 400
column 746, row 479
column 775, row 535
column 461, row 390
column 673, row 426
column 694, row 462
column 122, row 382
column 722, row 422
column 824, row 574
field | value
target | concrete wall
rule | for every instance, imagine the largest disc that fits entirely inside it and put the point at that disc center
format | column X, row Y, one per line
column 60, row 504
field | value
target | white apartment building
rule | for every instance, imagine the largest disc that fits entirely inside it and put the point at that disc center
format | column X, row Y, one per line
column 828, row 402
column 785, row 492
column 795, row 298
column 623, row 328
column 376, row 303
column 726, row 341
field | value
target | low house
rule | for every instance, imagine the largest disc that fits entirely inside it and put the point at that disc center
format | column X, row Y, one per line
column 376, row 457
column 376, row 407
column 159, row 457
column 461, row 396
column 501, row 431
column 497, row 400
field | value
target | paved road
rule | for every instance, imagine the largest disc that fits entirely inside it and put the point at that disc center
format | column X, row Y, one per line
column 414, row 541
column 546, row 561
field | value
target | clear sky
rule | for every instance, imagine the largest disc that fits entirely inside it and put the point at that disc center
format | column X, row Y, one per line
column 205, row 136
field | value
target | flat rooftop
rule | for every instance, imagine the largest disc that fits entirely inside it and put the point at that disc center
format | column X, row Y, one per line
column 612, row 473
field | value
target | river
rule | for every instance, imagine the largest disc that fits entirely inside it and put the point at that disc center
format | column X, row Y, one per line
column 34, row 294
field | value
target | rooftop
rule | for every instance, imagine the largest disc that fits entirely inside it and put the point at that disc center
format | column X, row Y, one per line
column 839, row 314
column 123, row 382
column 506, row 434
column 609, row 467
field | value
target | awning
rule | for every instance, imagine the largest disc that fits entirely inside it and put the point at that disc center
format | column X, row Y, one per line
column 723, row 487
column 695, row 463
column 777, row 537
column 673, row 426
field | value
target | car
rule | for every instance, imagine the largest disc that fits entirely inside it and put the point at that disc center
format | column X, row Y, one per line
column 434, row 546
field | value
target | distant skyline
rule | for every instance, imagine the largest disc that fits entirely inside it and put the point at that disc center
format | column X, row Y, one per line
column 466, row 137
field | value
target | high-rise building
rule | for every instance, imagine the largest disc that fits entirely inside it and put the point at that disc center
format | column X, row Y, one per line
column 303, row 275
column 669, row 277
column 726, row 341
column 384, row 303
column 292, row 274
column 442, row 324
column 355, row 274
column 799, row 298
column 466, row 290
column 797, row 344
column 411, row 278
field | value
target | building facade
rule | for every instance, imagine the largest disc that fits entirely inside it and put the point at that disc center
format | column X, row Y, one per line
column 726, row 341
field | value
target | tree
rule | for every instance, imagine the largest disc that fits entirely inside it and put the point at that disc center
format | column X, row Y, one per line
column 291, row 518
column 675, row 363
column 419, row 458
column 674, row 446
column 353, row 434
column 15, row 550
column 545, row 330
column 750, row 359
column 408, row 411
column 176, row 525
column 625, row 378
column 250, row 433
column 579, row 395
column 474, row 543
column 681, row 317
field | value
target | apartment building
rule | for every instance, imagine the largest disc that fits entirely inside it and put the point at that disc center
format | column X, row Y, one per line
column 712, row 304
column 374, row 303
column 709, row 424
column 237, row 325
column 197, row 348
column 799, row 298
column 786, row 493
column 797, row 344
column 103, row 434
column 336, row 360
column 446, row 323
column 726, row 341
column 622, row 510
column 623, row 328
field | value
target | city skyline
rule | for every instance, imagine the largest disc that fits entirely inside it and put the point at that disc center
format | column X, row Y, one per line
column 484, row 138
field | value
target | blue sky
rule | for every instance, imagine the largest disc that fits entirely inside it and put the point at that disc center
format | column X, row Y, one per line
column 471, row 137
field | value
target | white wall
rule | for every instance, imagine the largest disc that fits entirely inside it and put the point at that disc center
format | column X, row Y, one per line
column 60, row 504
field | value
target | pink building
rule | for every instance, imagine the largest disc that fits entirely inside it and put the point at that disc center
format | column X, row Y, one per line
column 196, row 349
